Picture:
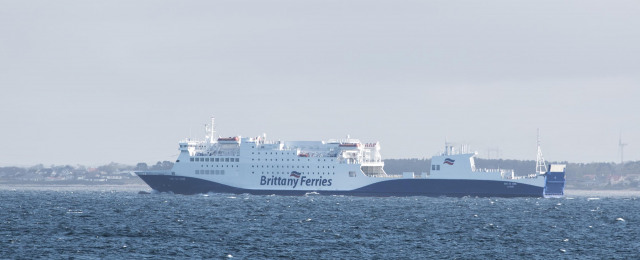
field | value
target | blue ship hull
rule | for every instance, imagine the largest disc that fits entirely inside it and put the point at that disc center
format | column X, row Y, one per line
column 395, row 187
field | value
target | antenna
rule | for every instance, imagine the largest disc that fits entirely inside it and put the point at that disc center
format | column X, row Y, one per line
column 541, row 167
column 448, row 147
column 213, row 130
column 621, row 147
column 206, row 132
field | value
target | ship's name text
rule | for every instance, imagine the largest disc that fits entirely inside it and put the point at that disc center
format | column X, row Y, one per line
column 294, row 182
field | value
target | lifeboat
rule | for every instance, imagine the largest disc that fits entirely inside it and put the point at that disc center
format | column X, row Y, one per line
column 233, row 139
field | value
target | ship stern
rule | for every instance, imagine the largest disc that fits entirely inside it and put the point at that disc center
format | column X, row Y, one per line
column 554, row 181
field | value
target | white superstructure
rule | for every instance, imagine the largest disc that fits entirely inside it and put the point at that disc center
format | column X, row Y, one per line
column 460, row 165
column 256, row 163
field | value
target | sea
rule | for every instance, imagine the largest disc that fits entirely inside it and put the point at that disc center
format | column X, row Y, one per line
column 90, row 223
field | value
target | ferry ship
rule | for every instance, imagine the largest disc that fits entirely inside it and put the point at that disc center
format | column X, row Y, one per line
column 347, row 166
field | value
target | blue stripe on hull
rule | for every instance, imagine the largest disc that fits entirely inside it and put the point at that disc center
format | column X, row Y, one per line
column 395, row 187
column 456, row 188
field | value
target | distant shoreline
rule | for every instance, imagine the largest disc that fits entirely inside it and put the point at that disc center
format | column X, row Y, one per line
column 75, row 187
column 144, row 187
column 602, row 193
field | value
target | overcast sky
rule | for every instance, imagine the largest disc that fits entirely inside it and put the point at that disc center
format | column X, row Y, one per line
column 93, row 82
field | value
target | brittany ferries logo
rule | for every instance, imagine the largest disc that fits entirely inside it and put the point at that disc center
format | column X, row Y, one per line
column 294, row 180
column 449, row 161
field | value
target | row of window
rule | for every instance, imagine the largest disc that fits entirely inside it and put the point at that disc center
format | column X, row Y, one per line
column 287, row 173
column 222, row 166
column 210, row 172
column 351, row 173
column 298, row 166
column 293, row 160
column 207, row 159
column 203, row 159
column 281, row 153
column 435, row 167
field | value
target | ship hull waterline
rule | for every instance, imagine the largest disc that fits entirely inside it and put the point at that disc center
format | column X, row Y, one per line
column 396, row 187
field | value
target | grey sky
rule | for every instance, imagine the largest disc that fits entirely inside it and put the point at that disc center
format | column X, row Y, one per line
column 92, row 82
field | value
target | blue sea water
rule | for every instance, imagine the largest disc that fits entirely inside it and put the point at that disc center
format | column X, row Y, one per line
column 126, row 225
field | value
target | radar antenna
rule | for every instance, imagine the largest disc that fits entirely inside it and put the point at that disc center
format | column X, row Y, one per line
column 541, row 167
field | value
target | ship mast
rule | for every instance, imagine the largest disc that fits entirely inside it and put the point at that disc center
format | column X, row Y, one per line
column 213, row 131
column 209, row 131
column 541, row 167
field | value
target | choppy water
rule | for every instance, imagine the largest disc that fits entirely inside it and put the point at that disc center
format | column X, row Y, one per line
column 92, row 224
